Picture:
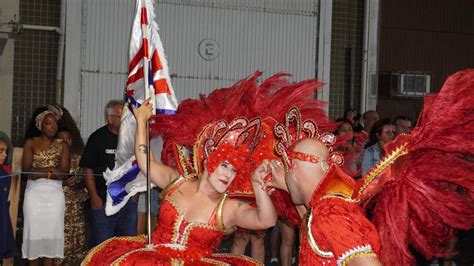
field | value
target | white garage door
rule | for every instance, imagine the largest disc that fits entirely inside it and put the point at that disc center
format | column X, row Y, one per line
column 209, row 44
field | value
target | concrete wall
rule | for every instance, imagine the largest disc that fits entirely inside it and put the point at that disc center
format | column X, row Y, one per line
column 8, row 10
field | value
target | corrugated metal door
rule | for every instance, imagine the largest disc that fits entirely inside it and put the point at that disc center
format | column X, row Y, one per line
column 209, row 44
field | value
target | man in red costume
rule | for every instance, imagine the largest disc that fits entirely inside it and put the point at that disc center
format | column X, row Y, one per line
column 335, row 230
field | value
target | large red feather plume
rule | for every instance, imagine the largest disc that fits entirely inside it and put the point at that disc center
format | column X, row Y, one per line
column 271, row 98
column 429, row 192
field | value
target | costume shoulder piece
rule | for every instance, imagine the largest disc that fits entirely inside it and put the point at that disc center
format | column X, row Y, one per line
column 336, row 184
column 176, row 183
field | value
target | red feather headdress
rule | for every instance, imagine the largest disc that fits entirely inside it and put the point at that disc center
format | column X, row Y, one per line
column 269, row 100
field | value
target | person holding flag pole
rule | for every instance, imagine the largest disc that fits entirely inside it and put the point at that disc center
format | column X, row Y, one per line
column 229, row 154
column 148, row 69
column 149, row 91
column 191, row 239
column 231, row 132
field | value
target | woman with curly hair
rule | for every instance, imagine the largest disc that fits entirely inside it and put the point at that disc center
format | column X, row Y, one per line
column 47, row 159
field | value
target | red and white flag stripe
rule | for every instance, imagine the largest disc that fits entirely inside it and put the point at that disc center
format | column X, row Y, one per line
column 146, row 46
column 148, row 77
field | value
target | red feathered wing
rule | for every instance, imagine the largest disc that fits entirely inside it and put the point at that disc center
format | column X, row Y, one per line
column 427, row 194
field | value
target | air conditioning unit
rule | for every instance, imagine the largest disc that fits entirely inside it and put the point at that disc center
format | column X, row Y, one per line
column 410, row 84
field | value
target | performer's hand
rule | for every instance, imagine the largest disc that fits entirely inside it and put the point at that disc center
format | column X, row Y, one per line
column 70, row 181
column 55, row 173
column 278, row 175
column 96, row 202
column 260, row 173
column 144, row 112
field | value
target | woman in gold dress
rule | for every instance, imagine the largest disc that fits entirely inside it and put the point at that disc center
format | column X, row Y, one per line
column 43, row 207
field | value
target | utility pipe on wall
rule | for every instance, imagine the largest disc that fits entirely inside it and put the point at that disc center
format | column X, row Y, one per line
column 60, row 62
column 365, row 59
column 369, row 79
column 38, row 27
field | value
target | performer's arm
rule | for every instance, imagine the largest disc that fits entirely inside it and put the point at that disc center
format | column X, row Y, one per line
column 88, row 162
column 65, row 163
column 89, row 179
column 262, row 217
column 160, row 174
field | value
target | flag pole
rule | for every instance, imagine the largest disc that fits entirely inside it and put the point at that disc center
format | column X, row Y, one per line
column 148, row 94
column 148, row 185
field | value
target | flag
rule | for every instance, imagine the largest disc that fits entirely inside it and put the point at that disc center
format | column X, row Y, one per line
column 148, row 76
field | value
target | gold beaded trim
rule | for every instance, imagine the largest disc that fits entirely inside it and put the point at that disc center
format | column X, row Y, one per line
column 214, row 262
column 338, row 196
column 195, row 156
column 219, row 213
column 182, row 160
column 184, row 238
column 98, row 248
column 176, row 262
column 122, row 258
column 176, row 182
column 171, row 185
column 367, row 253
column 312, row 242
column 382, row 165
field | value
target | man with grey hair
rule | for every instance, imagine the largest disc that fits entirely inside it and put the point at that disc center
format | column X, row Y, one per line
column 98, row 155
column 113, row 113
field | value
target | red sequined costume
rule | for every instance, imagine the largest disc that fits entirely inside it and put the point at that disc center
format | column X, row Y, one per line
column 269, row 100
column 176, row 240
column 200, row 126
column 335, row 228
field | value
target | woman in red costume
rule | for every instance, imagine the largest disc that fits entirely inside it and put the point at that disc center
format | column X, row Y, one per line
column 196, row 212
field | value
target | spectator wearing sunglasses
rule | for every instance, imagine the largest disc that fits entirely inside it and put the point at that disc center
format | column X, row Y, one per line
column 382, row 132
